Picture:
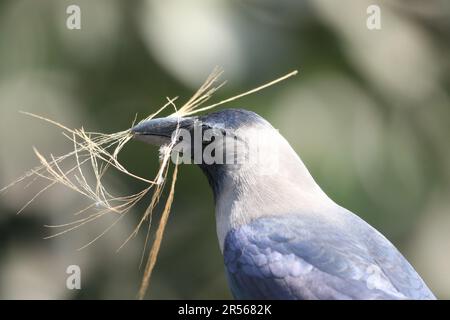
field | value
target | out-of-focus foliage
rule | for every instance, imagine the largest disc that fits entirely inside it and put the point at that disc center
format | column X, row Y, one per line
column 369, row 114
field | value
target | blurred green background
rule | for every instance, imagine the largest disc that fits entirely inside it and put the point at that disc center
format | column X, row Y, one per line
column 369, row 113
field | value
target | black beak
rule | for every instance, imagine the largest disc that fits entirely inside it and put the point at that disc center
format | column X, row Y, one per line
column 159, row 131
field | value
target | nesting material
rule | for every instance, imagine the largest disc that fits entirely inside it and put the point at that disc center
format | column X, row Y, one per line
column 95, row 153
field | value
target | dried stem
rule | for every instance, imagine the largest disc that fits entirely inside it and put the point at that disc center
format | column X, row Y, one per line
column 95, row 153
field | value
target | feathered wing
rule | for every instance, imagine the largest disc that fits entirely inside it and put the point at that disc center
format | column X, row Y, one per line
column 285, row 257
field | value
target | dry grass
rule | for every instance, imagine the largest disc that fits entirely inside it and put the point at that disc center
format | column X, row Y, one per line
column 95, row 153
